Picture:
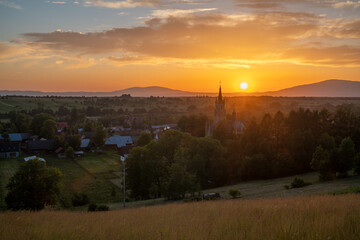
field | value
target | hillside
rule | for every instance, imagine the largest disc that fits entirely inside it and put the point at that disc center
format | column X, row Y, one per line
column 318, row 217
column 328, row 88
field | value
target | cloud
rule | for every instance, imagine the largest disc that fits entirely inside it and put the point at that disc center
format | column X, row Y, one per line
column 122, row 4
column 212, row 39
column 166, row 13
column 280, row 4
column 55, row 2
column 139, row 3
column 347, row 4
column 10, row 4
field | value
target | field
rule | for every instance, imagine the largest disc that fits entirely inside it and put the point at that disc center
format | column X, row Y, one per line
column 90, row 175
column 317, row 217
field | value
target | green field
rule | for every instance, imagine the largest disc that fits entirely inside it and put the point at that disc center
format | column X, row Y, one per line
column 76, row 179
column 308, row 218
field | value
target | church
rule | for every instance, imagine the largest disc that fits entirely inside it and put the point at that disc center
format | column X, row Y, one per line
column 220, row 116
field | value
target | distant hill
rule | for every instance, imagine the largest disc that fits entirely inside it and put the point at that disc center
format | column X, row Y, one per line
column 328, row 88
column 135, row 92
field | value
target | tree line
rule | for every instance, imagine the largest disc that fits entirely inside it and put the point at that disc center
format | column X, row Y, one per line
column 278, row 145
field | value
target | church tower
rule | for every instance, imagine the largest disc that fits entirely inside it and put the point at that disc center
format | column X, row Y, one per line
column 220, row 112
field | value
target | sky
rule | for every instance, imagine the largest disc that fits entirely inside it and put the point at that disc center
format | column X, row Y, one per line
column 191, row 45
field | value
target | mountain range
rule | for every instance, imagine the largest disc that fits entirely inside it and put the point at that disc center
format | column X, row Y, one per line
column 328, row 88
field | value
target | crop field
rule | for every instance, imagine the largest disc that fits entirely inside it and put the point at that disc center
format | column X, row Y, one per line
column 317, row 217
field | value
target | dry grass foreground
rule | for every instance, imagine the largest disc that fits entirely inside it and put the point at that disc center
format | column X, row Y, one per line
column 312, row 217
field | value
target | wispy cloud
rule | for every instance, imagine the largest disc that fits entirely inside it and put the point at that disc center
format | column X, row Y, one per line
column 121, row 4
column 139, row 3
column 11, row 5
column 160, row 13
column 347, row 4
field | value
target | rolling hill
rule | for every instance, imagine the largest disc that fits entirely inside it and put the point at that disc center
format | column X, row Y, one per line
column 328, row 88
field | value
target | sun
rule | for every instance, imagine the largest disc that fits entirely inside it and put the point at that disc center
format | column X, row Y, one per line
column 243, row 85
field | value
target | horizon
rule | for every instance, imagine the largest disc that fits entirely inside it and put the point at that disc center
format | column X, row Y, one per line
column 103, row 45
column 173, row 89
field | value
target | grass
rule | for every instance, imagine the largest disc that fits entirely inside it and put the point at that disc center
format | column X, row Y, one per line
column 317, row 217
column 273, row 188
column 100, row 163
column 76, row 179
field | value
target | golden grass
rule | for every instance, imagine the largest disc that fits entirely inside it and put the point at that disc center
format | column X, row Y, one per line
column 313, row 217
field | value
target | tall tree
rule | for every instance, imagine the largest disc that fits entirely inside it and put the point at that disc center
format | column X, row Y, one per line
column 346, row 156
column 48, row 129
column 99, row 136
column 33, row 186
column 38, row 122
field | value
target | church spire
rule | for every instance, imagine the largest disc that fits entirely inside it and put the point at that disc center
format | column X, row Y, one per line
column 220, row 94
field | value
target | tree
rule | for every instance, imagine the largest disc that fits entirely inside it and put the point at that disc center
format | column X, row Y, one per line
column 75, row 141
column 38, row 122
column 357, row 164
column 99, row 136
column 144, row 139
column 180, row 182
column 69, row 152
column 23, row 122
column 33, row 186
column 346, row 156
column 321, row 162
column 48, row 129
column 89, row 126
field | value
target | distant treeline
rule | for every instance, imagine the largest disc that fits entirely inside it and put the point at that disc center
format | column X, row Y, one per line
column 278, row 145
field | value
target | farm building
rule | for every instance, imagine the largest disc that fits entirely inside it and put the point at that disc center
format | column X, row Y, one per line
column 41, row 146
column 120, row 143
column 9, row 150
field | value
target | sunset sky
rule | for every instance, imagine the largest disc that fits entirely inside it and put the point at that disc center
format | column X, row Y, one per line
column 104, row 45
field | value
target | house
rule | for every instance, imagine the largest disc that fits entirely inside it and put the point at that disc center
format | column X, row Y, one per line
column 41, row 146
column 79, row 153
column 61, row 126
column 159, row 130
column 60, row 152
column 9, row 150
column 33, row 157
column 89, row 135
column 13, row 137
column 121, row 143
column 85, row 143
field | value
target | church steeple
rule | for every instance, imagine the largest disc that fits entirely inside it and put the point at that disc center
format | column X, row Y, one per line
column 220, row 112
column 220, row 98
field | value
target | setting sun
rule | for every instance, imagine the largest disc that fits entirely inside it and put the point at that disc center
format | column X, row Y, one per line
column 243, row 85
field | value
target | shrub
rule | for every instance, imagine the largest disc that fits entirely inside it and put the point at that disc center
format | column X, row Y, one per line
column 102, row 208
column 79, row 199
column 234, row 193
column 298, row 183
column 92, row 207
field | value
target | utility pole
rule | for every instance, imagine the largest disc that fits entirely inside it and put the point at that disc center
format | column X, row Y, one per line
column 122, row 158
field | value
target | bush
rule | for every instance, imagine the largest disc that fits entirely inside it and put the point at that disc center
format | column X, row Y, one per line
column 299, row 183
column 79, row 199
column 102, row 208
column 93, row 207
column 234, row 193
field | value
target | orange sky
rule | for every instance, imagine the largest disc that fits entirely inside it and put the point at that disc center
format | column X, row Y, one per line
column 188, row 47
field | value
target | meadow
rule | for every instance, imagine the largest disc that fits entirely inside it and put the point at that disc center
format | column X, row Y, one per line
column 312, row 217
column 90, row 174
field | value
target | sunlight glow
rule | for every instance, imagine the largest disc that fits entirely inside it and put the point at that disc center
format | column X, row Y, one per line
column 243, row 85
